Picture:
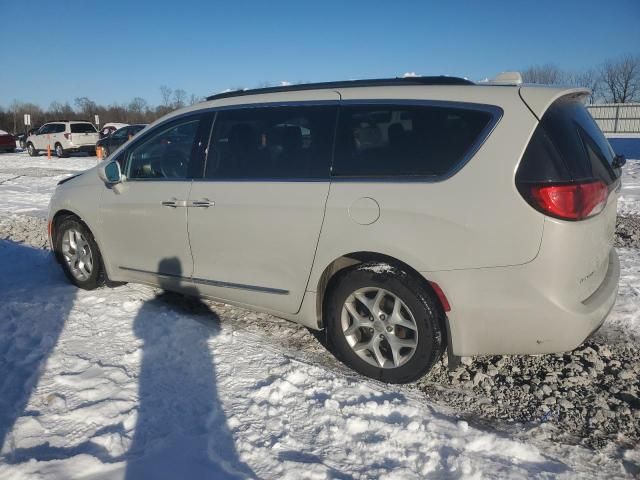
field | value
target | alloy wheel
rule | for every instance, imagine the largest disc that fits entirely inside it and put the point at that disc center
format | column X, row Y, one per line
column 379, row 327
column 77, row 253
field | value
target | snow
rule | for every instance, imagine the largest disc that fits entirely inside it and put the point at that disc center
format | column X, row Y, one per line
column 629, row 200
column 129, row 382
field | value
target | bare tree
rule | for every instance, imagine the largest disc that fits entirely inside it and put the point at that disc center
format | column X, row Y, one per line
column 14, row 108
column 86, row 107
column 621, row 79
column 137, row 109
column 193, row 99
column 165, row 93
column 588, row 79
column 179, row 98
column 548, row 74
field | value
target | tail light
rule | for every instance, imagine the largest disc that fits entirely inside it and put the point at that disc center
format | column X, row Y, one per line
column 575, row 201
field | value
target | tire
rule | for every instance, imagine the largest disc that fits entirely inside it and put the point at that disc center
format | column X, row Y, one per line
column 417, row 306
column 60, row 153
column 80, row 275
column 32, row 150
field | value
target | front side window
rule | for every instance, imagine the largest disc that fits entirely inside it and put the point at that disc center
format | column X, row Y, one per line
column 165, row 153
column 405, row 140
column 272, row 143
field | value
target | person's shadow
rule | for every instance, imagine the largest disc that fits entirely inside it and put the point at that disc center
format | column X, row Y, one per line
column 35, row 301
column 181, row 430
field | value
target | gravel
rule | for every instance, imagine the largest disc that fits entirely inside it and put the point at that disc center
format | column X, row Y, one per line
column 628, row 232
column 25, row 229
column 590, row 396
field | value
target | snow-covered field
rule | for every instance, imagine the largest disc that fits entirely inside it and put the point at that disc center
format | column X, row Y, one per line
column 129, row 383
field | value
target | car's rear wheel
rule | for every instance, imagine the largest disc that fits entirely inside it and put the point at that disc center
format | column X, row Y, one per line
column 78, row 253
column 32, row 150
column 384, row 323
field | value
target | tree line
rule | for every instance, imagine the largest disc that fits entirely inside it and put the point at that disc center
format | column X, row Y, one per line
column 614, row 81
column 138, row 110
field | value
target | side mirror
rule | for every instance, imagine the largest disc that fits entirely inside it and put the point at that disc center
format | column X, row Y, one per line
column 110, row 173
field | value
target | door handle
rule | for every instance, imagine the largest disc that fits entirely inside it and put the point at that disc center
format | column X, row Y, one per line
column 174, row 203
column 204, row 203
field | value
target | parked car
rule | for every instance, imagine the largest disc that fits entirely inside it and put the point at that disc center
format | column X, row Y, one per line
column 7, row 142
column 21, row 138
column 119, row 137
column 109, row 128
column 64, row 137
column 402, row 216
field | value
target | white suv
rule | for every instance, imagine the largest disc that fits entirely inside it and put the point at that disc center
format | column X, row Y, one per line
column 63, row 138
column 401, row 216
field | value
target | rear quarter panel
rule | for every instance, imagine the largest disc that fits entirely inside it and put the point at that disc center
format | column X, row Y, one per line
column 474, row 219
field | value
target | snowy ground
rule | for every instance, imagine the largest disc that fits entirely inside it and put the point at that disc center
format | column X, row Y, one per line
column 129, row 383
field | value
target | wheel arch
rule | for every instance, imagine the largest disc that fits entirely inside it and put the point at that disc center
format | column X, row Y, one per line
column 330, row 275
column 65, row 213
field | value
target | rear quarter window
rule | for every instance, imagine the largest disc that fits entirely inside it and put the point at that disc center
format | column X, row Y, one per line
column 406, row 140
column 83, row 128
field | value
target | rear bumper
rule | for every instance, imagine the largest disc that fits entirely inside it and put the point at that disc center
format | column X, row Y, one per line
column 510, row 310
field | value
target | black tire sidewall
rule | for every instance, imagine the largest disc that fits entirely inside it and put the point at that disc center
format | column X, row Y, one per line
column 422, row 303
column 96, row 279
column 60, row 153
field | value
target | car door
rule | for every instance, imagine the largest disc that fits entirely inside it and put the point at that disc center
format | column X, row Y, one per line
column 255, row 216
column 144, row 218
column 40, row 140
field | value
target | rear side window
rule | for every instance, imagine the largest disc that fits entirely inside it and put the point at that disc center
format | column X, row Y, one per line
column 272, row 143
column 82, row 128
column 567, row 146
column 406, row 140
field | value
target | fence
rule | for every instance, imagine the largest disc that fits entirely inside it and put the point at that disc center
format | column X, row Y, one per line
column 616, row 117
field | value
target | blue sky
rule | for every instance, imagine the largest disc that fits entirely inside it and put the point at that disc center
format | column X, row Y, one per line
column 113, row 50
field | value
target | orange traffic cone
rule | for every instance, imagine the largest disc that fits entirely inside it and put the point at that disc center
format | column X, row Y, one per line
column 48, row 152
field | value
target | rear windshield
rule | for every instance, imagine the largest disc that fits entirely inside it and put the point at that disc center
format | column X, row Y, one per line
column 82, row 128
column 568, row 145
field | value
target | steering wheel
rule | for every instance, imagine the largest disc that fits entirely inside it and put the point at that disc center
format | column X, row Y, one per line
column 174, row 163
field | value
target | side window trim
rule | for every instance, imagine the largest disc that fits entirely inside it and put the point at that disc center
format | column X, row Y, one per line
column 495, row 111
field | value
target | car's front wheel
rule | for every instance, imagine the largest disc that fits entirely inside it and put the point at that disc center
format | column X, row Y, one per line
column 32, row 150
column 78, row 253
column 384, row 323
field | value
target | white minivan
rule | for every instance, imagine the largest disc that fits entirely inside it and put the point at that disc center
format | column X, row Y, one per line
column 402, row 216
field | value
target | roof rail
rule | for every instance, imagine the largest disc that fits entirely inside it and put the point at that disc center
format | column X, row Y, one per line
column 375, row 82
